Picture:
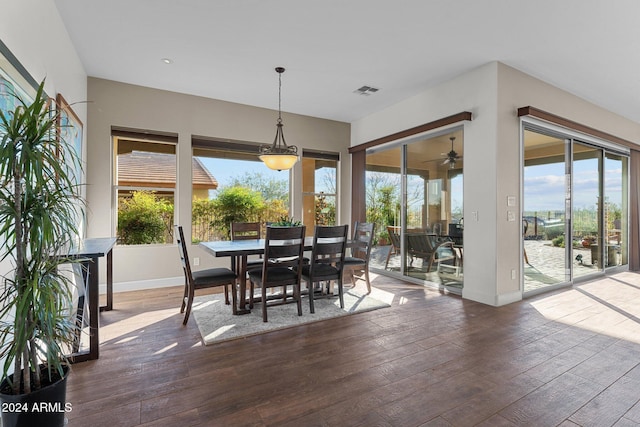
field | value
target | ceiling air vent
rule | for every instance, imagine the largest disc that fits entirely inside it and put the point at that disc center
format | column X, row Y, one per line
column 366, row 90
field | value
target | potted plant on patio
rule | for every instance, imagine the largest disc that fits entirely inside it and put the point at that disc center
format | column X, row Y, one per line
column 40, row 207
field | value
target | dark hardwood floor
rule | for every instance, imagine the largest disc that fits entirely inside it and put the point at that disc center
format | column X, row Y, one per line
column 567, row 358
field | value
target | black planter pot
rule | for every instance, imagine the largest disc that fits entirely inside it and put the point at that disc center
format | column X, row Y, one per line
column 44, row 407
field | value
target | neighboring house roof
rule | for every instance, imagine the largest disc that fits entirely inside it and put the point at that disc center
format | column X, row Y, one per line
column 146, row 169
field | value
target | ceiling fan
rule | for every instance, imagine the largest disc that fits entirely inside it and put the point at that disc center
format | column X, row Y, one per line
column 452, row 156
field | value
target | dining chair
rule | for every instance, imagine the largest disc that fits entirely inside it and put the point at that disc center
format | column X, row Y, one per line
column 282, row 266
column 246, row 231
column 327, row 260
column 358, row 263
column 194, row 280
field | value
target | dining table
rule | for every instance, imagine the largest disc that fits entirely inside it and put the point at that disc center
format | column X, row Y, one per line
column 241, row 250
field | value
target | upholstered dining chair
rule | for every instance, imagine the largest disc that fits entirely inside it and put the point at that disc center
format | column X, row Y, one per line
column 282, row 266
column 327, row 260
column 358, row 263
column 194, row 280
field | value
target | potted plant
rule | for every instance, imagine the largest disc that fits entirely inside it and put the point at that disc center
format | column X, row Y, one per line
column 285, row 221
column 40, row 207
column 588, row 240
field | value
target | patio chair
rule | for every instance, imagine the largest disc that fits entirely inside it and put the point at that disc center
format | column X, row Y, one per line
column 194, row 280
column 430, row 248
column 327, row 260
column 282, row 266
column 358, row 263
column 394, row 236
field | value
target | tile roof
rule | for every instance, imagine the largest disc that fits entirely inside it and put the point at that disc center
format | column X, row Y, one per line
column 147, row 169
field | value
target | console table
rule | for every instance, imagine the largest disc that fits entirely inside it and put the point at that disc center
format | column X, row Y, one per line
column 88, row 252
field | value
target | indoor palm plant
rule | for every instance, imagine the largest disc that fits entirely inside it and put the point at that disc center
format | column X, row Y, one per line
column 40, row 207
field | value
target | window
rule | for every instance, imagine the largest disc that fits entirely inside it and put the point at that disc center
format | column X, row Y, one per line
column 319, row 184
column 230, row 184
column 145, row 185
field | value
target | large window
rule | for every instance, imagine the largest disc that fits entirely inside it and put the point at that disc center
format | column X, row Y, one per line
column 240, row 188
column 145, row 185
column 319, row 189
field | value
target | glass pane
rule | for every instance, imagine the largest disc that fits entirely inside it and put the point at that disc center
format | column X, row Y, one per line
column 145, row 179
column 587, row 208
column 544, row 219
column 318, row 192
column 383, row 184
column 244, row 191
column 615, row 209
column 433, row 233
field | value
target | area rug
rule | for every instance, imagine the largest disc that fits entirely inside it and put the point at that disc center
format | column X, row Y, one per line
column 217, row 324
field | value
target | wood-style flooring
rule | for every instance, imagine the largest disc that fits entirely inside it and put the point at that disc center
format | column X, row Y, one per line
column 569, row 358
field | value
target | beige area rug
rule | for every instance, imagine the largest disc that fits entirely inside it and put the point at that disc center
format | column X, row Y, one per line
column 217, row 324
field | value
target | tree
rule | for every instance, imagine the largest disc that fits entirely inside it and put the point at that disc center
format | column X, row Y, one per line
column 383, row 196
column 269, row 188
column 235, row 204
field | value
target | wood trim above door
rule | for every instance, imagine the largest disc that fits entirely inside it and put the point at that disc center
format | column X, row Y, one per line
column 456, row 118
column 570, row 124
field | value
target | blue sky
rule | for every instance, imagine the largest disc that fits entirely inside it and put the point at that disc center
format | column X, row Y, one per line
column 544, row 188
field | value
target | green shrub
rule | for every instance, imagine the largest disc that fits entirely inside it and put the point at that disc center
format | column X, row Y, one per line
column 144, row 218
column 558, row 241
column 235, row 204
column 554, row 232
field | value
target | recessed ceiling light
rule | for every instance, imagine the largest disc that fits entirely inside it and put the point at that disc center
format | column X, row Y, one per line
column 167, row 60
column 366, row 90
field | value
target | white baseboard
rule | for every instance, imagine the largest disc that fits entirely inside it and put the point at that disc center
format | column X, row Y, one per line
column 140, row 285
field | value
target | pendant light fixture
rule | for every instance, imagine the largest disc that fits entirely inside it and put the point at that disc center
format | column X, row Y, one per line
column 279, row 156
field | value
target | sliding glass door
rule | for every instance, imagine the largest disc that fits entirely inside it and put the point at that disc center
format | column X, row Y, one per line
column 587, row 209
column 616, row 193
column 414, row 195
column 545, row 214
column 575, row 209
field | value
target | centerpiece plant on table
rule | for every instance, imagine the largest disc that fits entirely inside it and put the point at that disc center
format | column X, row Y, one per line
column 40, row 208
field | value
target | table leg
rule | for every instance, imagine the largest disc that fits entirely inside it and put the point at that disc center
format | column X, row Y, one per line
column 92, row 298
column 109, row 305
column 242, row 277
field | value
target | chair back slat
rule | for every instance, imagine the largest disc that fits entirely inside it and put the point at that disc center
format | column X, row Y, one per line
column 284, row 247
column 245, row 231
column 362, row 239
column 329, row 246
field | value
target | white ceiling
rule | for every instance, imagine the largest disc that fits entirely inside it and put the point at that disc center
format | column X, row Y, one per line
column 228, row 49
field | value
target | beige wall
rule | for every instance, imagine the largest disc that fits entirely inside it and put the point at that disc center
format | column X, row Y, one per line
column 493, row 93
column 119, row 104
column 42, row 46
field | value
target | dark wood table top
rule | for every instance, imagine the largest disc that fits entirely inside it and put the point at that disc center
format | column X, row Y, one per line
column 222, row 248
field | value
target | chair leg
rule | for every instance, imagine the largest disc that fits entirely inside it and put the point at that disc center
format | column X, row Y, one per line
column 251, row 290
column 310, row 286
column 297, row 294
column 184, row 297
column 366, row 276
column 340, row 292
column 187, row 311
column 264, row 303
column 226, row 294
